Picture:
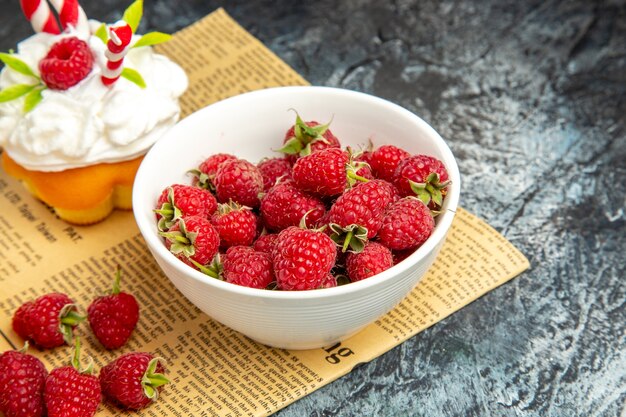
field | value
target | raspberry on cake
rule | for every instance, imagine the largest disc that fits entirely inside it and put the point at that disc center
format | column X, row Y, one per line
column 81, row 105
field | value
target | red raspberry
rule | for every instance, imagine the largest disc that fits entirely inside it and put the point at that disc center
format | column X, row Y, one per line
column 329, row 282
column 193, row 240
column 365, row 171
column 272, row 170
column 235, row 224
column 284, row 205
column 305, row 138
column 22, row 380
column 359, row 208
column 323, row 222
column 113, row 317
column 20, row 323
column 177, row 201
column 247, row 267
column 265, row 243
column 67, row 63
column 385, row 159
column 406, row 225
column 374, row 259
column 365, row 156
column 423, row 176
column 205, row 174
column 48, row 321
column 302, row 259
column 240, row 181
column 133, row 380
column 323, row 173
column 70, row 392
column 393, row 191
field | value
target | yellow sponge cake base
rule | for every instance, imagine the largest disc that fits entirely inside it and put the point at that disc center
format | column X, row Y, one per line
column 80, row 195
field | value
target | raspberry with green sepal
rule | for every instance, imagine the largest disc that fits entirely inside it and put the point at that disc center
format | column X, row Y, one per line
column 193, row 240
column 178, row 201
column 357, row 214
column 373, row 259
column 423, row 176
column 71, row 391
column 235, row 224
column 204, row 175
column 48, row 321
column 133, row 380
column 114, row 316
column 305, row 138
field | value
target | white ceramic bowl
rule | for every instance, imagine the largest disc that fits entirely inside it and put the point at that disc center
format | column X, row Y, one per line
column 249, row 126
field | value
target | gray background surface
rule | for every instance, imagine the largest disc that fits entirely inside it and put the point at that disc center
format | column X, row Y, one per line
column 531, row 97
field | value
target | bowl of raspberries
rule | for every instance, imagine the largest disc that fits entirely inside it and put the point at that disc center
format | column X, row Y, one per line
column 297, row 215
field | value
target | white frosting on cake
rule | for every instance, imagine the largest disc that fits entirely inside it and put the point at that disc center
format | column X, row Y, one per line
column 90, row 123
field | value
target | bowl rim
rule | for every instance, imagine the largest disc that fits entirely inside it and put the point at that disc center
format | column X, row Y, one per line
column 444, row 222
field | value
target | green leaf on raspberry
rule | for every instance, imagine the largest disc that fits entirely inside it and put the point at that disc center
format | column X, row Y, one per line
column 225, row 208
column 151, row 379
column 33, row 98
column 306, row 133
column 133, row 76
column 132, row 15
column 214, row 269
column 352, row 236
column 76, row 359
column 15, row 91
column 179, row 243
column 152, row 38
column 342, row 279
column 435, row 195
column 302, row 224
column 116, row 281
column 431, row 190
column 168, row 211
column 306, row 150
column 420, row 191
column 297, row 127
column 17, row 64
column 353, row 166
column 181, row 240
column 351, row 173
column 204, row 181
column 68, row 319
column 101, row 33
column 292, row 147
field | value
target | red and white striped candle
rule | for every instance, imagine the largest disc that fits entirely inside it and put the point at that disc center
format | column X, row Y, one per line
column 40, row 16
column 120, row 35
column 71, row 14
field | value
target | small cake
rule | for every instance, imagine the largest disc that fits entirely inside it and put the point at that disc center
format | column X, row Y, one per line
column 81, row 104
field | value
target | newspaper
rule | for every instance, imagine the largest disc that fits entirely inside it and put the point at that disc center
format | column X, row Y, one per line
column 216, row 371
